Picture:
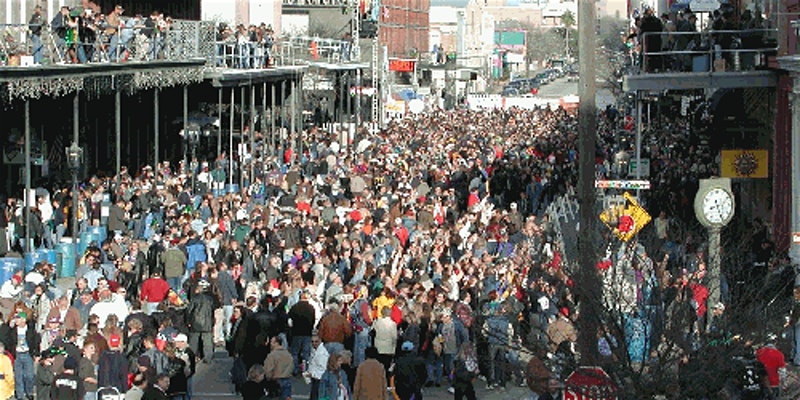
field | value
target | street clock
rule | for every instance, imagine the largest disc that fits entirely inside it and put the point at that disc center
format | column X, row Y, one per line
column 714, row 203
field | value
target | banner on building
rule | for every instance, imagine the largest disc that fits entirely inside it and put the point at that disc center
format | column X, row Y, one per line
column 744, row 164
column 398, row 65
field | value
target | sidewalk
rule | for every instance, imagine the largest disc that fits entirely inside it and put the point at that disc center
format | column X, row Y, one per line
column 212, row 382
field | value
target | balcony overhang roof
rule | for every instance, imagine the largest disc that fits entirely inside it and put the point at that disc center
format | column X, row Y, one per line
column 699, row 80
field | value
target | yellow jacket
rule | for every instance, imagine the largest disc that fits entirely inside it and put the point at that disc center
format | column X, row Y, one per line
column 7, row 383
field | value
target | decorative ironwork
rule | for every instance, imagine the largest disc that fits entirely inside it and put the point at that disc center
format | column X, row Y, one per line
column 746, row 163
column 146, row 80
column 34, row 88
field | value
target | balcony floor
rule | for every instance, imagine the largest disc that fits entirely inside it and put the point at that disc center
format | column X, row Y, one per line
column 699, row 80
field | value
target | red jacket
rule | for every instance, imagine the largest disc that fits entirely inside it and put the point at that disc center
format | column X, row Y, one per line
column 154, row 290
column 773, row 360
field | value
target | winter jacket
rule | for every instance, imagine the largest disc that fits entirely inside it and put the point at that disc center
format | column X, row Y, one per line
column 112, row 370
column 201, row 312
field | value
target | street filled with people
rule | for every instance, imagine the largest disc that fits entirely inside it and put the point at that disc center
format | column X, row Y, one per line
column 419, row 256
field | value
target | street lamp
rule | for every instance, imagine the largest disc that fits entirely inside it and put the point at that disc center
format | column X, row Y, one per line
column 192, row 138
column 74, row 162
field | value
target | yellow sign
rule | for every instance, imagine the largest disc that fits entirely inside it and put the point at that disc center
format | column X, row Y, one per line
column 744, row 164
column 626, row 220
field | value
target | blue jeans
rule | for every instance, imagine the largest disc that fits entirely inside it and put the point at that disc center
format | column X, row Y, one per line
column 23, row 375
column 447, row 363
column 360, row 345
column 175, row 283
column 286, row 388
column 301, row 347
column 497, row 357
column 433, row 364
column 334, row 347
column 90, row 396
column 38, row 54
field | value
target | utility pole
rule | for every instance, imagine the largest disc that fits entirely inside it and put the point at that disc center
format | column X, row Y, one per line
column 587, row 289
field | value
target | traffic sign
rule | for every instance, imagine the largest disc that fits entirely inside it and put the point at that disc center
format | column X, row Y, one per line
column 626, row 220
column 645, row 171
column 589, row 383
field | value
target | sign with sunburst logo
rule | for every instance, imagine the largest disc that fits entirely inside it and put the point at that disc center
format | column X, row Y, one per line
column 744, row 164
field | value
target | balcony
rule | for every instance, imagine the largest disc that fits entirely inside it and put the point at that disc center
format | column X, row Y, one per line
column 708, row 59
column 315, row 3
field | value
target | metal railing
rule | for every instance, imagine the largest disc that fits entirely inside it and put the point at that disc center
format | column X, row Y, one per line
column 709, row 51
column 182, row 41
column 302, row 50
column 315, row 2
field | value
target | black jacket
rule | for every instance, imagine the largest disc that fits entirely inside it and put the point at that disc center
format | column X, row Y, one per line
column 201, row 312
column 113, row 370
column 302, row 315
column 32, row 337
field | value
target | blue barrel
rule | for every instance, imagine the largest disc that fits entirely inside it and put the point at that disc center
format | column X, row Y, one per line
column 66, row 267
column 87, row 239
column 8, row 266
column 51, row 256
column 100, row 233
column 33, row 258
column 232, row 188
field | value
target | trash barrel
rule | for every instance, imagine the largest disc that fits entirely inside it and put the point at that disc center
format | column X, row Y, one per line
column 8, row 266
column 66, row 267
column 100, row 232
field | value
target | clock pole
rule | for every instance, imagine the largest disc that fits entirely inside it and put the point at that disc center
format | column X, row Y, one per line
column 714, row 270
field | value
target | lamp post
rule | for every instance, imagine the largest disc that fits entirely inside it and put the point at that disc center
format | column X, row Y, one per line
column 192, row 138
column 74, row 162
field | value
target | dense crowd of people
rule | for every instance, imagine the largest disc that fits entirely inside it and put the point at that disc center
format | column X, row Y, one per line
column 417, row 256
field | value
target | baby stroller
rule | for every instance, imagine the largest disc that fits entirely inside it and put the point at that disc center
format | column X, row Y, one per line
column 109, row 393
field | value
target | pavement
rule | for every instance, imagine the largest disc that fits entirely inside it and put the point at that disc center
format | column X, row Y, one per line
column 212, row 382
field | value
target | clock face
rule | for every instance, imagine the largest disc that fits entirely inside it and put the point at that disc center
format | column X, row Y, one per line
column 718, row 206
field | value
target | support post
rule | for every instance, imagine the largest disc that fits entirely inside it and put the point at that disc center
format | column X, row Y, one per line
column 264, row 142
column 272, row 95
column 219, row 121
column 186, row 162
column 586, row 283
column 28, row 200
column 230, row 137
column 293, row 118
column 714, row 271
column 241, row 136
column 118, row 132
column 156, row 136
column 794, row 250
column 279, row 149
column 638, row 154
column 252, row 132
column 75, row 199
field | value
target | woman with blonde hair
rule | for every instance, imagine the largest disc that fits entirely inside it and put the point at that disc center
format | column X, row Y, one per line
column 111, row 327
column 334, row 383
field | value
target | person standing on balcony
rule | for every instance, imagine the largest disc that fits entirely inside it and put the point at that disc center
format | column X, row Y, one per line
column 35, row 26
column 113, row 25
column 60, row 25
